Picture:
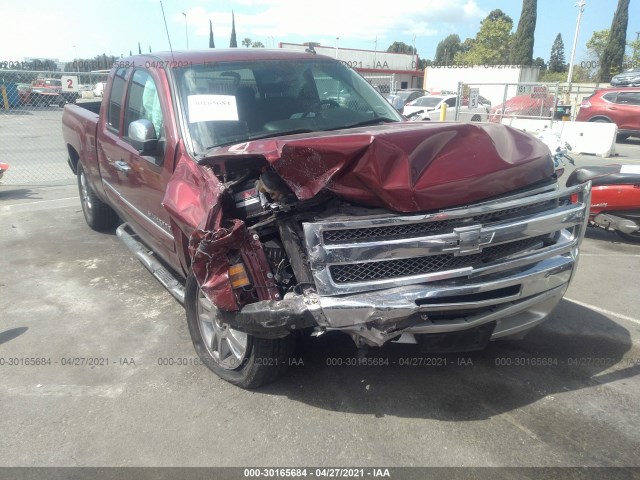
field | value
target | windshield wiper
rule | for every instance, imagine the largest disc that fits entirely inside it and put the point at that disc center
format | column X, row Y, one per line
column 371, row 121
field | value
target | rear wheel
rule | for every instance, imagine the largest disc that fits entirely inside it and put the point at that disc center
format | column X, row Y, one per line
column 237, row 357
column 98, row 215
column 630, row 237
column 476, row 118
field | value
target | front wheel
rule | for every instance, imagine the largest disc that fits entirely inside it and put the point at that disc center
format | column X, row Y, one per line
column 630, row 237
column 237, row 357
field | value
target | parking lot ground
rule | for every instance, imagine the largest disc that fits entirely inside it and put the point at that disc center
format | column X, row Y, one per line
column 566, row 395
column 97, row 369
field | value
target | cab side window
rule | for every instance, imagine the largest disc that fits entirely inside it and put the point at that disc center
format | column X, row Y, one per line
column 451, row 102
column 143, row 102
column 115, row 99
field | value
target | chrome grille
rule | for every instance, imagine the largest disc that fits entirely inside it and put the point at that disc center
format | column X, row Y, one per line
column 367, row 271
column 389, row 232
column 406, row 230
column 366, row 253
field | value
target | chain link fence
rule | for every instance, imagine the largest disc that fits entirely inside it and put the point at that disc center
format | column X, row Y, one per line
column 386, row 84
column 31, row 105
column 552, row 101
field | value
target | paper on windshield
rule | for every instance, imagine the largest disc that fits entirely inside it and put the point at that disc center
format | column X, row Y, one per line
column 206, row 108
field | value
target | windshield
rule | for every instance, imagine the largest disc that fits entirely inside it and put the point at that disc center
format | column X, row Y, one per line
column 229, row 103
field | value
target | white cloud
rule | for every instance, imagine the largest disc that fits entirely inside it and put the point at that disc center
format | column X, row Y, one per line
column 353, row 20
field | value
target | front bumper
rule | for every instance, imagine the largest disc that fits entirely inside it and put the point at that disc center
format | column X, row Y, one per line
column 515, row 292
column 516, row 302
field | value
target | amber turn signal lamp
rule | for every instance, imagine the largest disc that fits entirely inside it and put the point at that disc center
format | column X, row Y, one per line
column 238, row 276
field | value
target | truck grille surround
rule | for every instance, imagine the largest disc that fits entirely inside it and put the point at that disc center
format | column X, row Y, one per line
column 358, row 254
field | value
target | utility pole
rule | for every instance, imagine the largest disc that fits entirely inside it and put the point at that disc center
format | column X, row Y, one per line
column 580, row 4
column 186, row 32
column 337, row 45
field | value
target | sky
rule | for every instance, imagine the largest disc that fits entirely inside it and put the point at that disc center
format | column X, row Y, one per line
column 86, row 28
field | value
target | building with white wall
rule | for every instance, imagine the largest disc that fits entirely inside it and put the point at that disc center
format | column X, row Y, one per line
column 403, row 68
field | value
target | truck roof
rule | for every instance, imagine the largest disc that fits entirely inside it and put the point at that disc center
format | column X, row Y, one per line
column 223, row 55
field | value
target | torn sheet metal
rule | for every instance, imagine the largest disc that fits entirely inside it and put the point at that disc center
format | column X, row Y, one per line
column 404, row 167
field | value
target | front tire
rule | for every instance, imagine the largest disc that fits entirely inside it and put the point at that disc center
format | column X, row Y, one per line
column 239, row 358
column 98, row 215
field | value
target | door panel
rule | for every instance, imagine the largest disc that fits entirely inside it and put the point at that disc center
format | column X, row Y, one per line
column 143, row 179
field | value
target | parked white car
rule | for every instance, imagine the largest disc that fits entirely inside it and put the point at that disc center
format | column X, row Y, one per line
column 431, row 104
column 98, row 89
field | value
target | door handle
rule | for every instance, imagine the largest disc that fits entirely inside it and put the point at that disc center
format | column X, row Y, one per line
column 611, row 108
column 122, row 166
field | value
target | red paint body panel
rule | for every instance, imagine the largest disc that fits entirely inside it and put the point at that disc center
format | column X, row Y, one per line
column 405, row 167
column 614, row 198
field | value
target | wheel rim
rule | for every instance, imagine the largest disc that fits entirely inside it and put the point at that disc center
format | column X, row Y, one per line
column 84, row 192
column 226, row 346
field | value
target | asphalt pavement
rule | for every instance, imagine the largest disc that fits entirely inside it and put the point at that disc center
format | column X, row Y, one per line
column 97, row 369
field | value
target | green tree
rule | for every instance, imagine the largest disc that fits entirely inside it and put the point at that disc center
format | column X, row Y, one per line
column 447, row 49
column 492, row 42
column 401, row 47
column 539, row 62
column 522, row 50
column 233, row 43
column 246, row 42
column 257, row 45
column 634, row 58
column 557, row 61
column 613, row 53
column 596, row 44
column 211, row 42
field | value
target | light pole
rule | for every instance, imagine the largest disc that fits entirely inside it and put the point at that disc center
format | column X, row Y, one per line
column 337, row 45
column 186, row 32
column 580, row 6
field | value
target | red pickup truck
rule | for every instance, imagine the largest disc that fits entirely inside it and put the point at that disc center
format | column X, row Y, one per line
column 278, row 194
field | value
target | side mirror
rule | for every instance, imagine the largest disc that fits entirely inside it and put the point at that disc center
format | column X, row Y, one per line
column 142, row 136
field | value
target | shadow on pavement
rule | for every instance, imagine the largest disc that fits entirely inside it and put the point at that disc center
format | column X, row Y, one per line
column 569, row 352
column 8, row 193
column 9, row 335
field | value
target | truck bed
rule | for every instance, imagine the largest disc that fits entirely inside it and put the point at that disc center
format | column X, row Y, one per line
column 79, row 126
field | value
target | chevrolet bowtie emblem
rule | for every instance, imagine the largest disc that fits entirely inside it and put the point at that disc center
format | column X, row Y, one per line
column 470, row 240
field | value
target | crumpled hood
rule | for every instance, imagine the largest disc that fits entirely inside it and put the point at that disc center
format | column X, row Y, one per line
column 405, row 167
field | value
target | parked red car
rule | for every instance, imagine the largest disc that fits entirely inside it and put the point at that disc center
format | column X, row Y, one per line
column 529, row 105
column 615, row 105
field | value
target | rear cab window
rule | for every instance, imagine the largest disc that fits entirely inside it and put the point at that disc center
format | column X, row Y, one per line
column 114, row 108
